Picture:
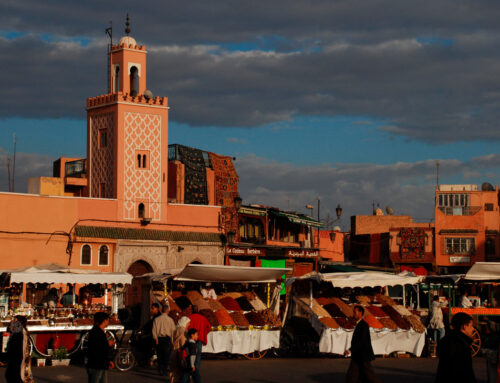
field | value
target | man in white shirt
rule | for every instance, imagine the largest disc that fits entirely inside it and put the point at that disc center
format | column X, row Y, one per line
column 465, row 302
column 163, row 332
column 208, row 292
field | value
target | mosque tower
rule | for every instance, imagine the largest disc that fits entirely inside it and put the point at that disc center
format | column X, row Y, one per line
column 127, row 138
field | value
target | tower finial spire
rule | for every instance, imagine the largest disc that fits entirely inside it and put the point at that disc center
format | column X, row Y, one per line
column 127, row 24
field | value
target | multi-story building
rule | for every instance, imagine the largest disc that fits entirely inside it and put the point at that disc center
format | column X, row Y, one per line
column 119, row 209
column 467, row 223
column 271, row 236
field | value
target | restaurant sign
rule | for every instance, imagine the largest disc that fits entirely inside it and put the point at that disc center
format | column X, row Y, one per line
column 245, row 251
column 302, row 253
column 459, row 259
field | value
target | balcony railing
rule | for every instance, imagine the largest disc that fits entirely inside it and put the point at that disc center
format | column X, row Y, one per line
column 459, row 210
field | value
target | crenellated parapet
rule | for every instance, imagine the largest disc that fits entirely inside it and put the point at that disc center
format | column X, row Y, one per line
column 128, row 46
column 125, row 97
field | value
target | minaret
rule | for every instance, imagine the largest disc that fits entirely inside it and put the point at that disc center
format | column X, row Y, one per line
column 127, row 138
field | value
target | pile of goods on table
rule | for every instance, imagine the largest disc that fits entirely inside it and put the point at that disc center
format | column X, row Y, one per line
column 381, row 312
column 231, row 310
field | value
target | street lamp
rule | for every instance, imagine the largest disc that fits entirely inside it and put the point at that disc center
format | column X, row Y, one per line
column 310, row 207
column 338, row 210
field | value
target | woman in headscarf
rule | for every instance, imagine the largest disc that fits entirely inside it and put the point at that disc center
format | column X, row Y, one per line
column 18, row 353
column 177, row 342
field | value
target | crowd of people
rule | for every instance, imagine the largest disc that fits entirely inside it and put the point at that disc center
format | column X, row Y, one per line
column 178, row 347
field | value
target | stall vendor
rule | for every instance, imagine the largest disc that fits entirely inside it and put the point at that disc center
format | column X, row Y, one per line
column 51, row 298
column 67, row 298
column 208, row 292
column 465, row 301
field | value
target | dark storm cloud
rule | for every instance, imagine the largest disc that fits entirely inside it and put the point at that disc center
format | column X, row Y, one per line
column 429, row 70
column 407, row 187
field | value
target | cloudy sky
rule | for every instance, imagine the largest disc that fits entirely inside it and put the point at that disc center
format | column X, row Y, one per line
column 348, row 101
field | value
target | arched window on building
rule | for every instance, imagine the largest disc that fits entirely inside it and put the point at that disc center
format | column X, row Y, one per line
column 139, row 161
column 86, row 256
column 117, row 79
column 141, row 211
column 103, row 256
column 144, row 163
column 134, row 81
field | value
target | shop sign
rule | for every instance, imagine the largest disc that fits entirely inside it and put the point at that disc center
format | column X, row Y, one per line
column 459, row 259
column 302, row 253
column 245, row 251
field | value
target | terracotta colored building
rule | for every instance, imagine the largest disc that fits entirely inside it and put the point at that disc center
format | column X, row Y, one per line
column 125, row 207
column 467, row 222
column 266, row 235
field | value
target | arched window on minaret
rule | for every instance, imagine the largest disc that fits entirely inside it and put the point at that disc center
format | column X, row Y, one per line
column 139, row 161
column 134, row 81
column 144, row 164
column 117, row 78
column 141, row 211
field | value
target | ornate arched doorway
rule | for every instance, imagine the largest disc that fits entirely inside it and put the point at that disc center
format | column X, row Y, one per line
column 134, row 292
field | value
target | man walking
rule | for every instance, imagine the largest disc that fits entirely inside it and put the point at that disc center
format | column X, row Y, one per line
column 454, row 352
column 98, row 350
column 360, row 369
column 163, row 332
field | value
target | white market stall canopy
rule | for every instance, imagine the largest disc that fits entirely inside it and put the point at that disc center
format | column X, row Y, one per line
column 230, row 274
column 484, row 271
column 54, row 273
column 366, row 279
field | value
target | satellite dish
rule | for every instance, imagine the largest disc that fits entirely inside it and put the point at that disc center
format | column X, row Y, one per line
column 148, row 95
column 389, row 210
column 486, row 186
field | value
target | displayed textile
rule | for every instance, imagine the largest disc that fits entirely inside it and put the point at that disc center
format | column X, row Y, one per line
column 195, row 176
column 412, row 243
column 383, row 342
column 241, row 342
column 226, row 179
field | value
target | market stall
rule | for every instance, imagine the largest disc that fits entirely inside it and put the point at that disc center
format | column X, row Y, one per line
column 30, row 291
column 485, row 309
column 327, row 300
column 242, row 311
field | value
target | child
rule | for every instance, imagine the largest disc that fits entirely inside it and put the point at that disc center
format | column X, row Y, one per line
column 192, row 355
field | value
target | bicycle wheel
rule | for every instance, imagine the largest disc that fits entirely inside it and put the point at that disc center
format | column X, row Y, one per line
column 124, row 360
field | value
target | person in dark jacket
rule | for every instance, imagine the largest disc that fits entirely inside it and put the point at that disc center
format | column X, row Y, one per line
column 18, row 352
column 98, row 350
column 193, row 355
column 360, row 369
column 454, row 352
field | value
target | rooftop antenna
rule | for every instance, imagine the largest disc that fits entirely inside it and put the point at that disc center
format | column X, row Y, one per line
column 437, row 174
column 14, row 165
column 109, row 32
column 8, row 171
